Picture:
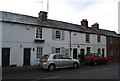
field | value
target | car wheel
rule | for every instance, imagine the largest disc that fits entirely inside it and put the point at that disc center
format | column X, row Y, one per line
column 51, row 67
column 75, row 65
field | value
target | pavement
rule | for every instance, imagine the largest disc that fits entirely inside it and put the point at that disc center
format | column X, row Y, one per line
column 20, row 68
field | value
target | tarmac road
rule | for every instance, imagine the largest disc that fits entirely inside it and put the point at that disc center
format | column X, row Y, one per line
column 84, row 72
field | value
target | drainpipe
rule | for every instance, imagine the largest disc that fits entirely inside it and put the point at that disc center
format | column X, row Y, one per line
column 70, row 44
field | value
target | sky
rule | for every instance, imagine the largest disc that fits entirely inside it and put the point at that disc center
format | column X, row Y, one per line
column 104, row 12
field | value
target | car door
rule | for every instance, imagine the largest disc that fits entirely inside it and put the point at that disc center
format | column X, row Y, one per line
column 97, row 58
column 67, row 61
column 58, row 61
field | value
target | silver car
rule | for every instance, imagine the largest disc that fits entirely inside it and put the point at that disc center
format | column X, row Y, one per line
column 53, row 61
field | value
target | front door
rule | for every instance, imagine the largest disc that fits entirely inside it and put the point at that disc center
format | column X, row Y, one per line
column 75, row 53
column 5, row 57
column 27, row 53
column 82, row 51
column 103, row 52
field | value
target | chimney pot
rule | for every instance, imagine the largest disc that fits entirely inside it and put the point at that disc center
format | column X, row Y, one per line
column 42, row 15
column 84, row 23
column 96, row 26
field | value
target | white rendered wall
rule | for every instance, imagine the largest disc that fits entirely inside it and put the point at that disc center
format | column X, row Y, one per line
column 17, row 37
column 79, row 39
column 0, row 43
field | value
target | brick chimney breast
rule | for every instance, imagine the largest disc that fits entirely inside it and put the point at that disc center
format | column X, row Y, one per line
column 96, row 26
column 42, row 15
column 84, row 23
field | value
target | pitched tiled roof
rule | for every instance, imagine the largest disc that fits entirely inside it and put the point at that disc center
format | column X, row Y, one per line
column 25, row 19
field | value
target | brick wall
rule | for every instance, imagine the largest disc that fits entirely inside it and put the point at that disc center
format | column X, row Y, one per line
column 113, row 47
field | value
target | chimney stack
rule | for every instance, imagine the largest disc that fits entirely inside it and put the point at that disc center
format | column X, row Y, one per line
column 84, row 23
column 42, row 15
column 96, row 26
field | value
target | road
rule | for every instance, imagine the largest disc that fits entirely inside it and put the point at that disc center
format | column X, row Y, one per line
column 109, row 71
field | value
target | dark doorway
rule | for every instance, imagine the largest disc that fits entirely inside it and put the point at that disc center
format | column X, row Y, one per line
column 75, row 53
column 27, row 57
column 5, row 57
column 103, row 52
column 82, row 52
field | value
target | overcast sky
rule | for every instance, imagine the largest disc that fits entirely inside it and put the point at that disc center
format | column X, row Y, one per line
column 105, row 12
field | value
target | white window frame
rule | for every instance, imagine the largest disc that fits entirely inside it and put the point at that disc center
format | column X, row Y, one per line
column 58, row 36
column 98, row 38
column 88, row 51
column 39, row 52
column 87, row 38
column 38, row 33
column 57, row 50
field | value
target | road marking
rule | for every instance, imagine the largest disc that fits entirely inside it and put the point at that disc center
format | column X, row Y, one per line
column 95, row 70
column 52, row 77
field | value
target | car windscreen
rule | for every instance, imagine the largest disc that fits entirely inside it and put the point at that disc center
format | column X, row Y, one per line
column 88, row 55
column 98, row 55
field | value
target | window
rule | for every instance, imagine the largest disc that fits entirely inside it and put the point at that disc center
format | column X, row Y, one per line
column 57, row 57
column 39, row 52
column 58, row 34
column 99, row 51
column 57, row 50
column 87, row 38
column 88, row 50
column 98, row 38
column 39, row 32
column 65, row 57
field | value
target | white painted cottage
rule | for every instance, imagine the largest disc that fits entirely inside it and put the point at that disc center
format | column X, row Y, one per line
column 25, row 38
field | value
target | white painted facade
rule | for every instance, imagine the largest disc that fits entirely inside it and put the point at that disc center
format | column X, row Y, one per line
column 20, row 36
column 78, row 41
column 17, row 37
column 0, row 41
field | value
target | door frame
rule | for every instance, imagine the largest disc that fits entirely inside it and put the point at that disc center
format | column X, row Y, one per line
column 8, row 58
column 75, row 55
column 24, row 57
column 82, row 56
column 103, row 52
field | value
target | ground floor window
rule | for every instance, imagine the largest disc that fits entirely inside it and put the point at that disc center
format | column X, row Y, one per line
column 57, row 50
column 88, row 50
column 39, row 52
column 99, row 51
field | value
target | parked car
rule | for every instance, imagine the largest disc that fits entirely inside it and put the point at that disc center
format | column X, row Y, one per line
column 95, row 58
column 53, row 61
